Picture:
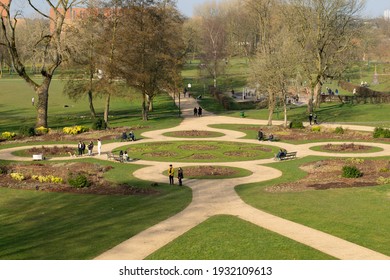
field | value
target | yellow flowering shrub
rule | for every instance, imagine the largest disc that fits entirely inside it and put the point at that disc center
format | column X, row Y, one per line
column 8, row 135
column 47, row 179
column 17, row 176
column 75, row 129
column 41, row 130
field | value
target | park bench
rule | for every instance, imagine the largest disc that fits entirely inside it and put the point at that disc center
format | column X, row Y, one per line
column 111, row 156
column 38, row 157
column 290, row 155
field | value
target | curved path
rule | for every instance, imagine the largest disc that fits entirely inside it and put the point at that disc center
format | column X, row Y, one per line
column 211, row 199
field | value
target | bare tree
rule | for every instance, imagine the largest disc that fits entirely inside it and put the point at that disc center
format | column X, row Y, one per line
column 324, row 30
column 49, row 43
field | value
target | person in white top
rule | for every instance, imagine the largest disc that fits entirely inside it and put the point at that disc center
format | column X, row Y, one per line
column 99, row 146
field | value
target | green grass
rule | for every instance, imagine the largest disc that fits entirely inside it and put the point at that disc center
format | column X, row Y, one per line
column 359, row 215
column 39, row 225
column 16, row 108
column 205, row 151
column 229, row 238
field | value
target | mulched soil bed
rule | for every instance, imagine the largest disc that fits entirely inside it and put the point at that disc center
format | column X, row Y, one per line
column 94, row 173
column 326, row 174
column 196, row 171
column 192, row 133
column 345, row 148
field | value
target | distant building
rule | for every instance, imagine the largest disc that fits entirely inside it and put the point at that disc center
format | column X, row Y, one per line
column 387, row 14
column 2, row 11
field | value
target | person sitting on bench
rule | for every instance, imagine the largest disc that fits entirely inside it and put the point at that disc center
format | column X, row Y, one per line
column 124, row 136
column 125, row 156
column 260, row 135
column 281, row 153
column 132, row 136
column 271, row 137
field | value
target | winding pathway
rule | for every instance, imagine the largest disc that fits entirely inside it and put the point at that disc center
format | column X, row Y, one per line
column 211, row 199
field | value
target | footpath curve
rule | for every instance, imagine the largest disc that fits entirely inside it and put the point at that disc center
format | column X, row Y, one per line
column 211, row 199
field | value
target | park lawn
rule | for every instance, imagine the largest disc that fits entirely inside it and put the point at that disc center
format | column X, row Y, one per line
column 194, row 151
column 16, row 108
column 41, row 225
column 230, row 238
column 359, row 215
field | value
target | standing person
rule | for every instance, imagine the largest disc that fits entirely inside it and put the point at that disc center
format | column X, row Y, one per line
column 99, row 146
column 315, row 119
column 310, row 118
column 33, row 101
column 195, row 111
column 90, row 148
column 83, row 148
column 171, row 174
column 180, row 176
column 199, row 111
column 80, row 148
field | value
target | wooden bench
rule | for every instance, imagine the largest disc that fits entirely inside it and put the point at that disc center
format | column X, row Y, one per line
column 38, row 157
column 290, row 155
column 114, row 157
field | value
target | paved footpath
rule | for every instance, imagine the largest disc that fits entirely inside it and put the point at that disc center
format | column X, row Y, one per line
column 211, row 199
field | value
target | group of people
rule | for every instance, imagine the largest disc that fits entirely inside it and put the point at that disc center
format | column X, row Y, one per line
column 81, row 147
column 261, row 136
column 128, row 137
column 198, row 111
column 124, row 156
column 171, row 175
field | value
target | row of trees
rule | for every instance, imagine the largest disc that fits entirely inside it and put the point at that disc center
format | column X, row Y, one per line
column 115, row 46
column 285, row 41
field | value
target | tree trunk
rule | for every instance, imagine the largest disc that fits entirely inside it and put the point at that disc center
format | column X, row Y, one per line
column 150, row 103
column 91, row 107
column 317, row 95
column 42, row 92
column 107, row 109
column 271, row 109
column 144, row 108
column 285, row 111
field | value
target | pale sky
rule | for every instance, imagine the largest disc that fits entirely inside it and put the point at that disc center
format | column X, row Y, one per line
column 374, row 8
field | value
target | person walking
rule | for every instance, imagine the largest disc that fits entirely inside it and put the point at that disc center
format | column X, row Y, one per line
column 180, row 176
column 171, row 174
column 195, row 111
column 83, row 148
column 199, row 111
column 99, row 146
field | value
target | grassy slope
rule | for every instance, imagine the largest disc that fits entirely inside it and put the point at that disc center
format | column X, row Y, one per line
column 38, row 225
column 359, row 215
column 229, row 238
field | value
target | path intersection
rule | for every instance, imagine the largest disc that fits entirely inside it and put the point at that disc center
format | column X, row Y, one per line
column 210, row 199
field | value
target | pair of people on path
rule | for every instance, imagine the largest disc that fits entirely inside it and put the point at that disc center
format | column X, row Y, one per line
column 198, row 111
column 312, row 118
column 171, row 175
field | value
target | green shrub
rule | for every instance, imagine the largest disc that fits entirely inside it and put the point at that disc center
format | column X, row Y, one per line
column 99, row 124
column 351, row 172
column 26, row 131
column 78, row 180
column 339, row 130
column 381, row 132
column 296, row 124
column 3, row 169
